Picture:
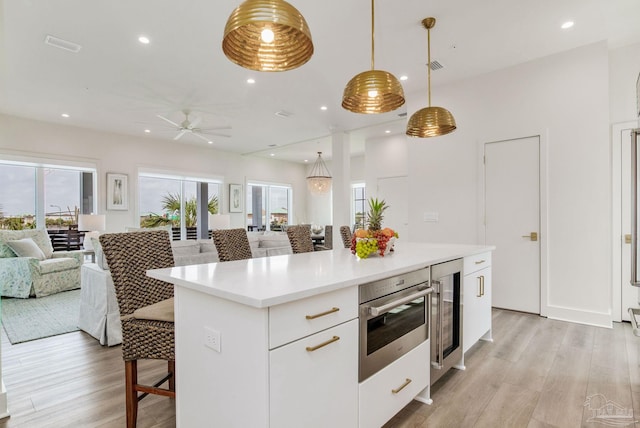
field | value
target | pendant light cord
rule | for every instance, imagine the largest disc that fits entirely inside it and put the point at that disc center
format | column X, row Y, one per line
column 372, row 35
column 429, row 62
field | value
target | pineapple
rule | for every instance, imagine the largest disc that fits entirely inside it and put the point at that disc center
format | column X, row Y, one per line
column 376, row 209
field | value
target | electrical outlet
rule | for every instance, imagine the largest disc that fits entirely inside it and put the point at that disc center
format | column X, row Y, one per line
column 212, row 339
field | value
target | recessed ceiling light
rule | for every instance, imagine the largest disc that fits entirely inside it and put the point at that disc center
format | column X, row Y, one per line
column 306, row 160
column 144, row 40
column 387, row 131
column 251, row 81
column 272, row 154
column 567, row 25
column 323, row 108
column 147, row 131
column 403, row 77
column 65, row 115
column 210, row 142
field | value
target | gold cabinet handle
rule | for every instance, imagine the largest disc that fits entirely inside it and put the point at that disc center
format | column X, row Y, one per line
column 532, row 236
column 403, row 386
column 479, row 294
column 330, row 311
column 481, row 285
column 480, row 262
column 323, row 344
column 627, row 239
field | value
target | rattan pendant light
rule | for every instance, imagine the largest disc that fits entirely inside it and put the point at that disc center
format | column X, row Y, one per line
column 373, row 91
column 267, row 35
column 319, row 178
column 430, row 121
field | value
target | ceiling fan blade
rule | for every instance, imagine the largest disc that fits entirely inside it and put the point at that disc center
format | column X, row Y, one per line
column 180, row 134
column 202, row 137
column 217, row 134
column 214, row 128
column 167, row 120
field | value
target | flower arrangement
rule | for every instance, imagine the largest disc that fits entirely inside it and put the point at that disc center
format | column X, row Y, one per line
column 374, row 239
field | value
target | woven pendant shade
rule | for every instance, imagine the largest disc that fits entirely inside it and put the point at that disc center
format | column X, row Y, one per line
column 373, row 91
column 319, row 178
column 244, row 42
column 430, row 121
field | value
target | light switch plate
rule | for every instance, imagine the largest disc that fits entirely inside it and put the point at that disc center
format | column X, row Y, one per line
column 212, row 338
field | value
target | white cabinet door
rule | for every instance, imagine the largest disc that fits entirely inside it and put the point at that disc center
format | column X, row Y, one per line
column 316, row 386
column 476, row 317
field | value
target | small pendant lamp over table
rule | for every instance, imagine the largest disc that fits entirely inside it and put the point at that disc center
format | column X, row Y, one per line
column 430, row 121
column 373, row 91
column 267, row 35
column 319, row 178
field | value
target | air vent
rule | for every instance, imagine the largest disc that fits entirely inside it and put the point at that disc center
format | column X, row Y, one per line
column 62, row 44
column 435, row 65
column 283, row 113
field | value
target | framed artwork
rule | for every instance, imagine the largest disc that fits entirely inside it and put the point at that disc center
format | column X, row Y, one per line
column 235, row 198
column 117, row 192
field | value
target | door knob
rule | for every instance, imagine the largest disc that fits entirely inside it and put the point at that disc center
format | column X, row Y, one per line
column 533, row 236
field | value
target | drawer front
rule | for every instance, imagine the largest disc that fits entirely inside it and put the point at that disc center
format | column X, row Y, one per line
column 476, row 262
column 294, row 320
column 382, row 395
column 314, row 381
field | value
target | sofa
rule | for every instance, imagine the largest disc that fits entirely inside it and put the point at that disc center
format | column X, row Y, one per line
column 38, row 270
column 99, row 313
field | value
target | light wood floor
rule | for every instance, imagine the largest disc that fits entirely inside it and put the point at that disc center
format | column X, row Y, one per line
column 536, row 373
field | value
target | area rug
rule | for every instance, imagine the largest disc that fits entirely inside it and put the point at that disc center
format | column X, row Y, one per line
column 35, row 318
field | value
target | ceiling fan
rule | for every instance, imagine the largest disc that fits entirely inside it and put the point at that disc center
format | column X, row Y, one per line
column 189, row 127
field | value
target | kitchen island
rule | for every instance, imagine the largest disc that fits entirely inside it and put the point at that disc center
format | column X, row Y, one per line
column 273, row 342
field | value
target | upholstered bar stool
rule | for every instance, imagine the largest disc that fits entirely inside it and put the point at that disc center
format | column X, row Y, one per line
column 232, row 244
column 146, row 309
column 300, row 238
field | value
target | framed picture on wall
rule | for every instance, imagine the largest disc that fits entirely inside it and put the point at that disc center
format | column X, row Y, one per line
column 235, row 198
column 117, row 191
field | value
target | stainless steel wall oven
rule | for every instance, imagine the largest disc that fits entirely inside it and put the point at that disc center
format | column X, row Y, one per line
column 394, row 319
column 446, row 317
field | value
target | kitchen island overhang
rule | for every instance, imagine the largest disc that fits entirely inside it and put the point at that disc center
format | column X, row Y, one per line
column 287, row 331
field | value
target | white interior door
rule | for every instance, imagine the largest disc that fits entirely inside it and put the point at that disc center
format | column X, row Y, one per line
column 512, row 215
column 628, row 293
column 394, row 190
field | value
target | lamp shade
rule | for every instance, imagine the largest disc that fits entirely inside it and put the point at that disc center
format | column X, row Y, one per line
column 319, row 178
column 431, row 122
column 219, row 221
column 92, row 222
column 373, row 92
column 267, row 35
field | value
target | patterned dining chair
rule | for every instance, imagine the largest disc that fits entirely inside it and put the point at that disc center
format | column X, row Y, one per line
column 232, row 244
column 300, row 238
column 146, row 309
column 345, row 233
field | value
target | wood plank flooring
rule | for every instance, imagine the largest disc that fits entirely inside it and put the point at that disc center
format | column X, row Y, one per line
column 536, row 373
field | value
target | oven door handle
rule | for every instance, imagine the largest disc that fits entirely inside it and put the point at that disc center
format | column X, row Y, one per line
column 379, row 310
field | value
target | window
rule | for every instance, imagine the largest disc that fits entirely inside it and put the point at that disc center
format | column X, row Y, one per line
column 359, row 205
column 271, row 205
column 35, row 194
column 173, row 200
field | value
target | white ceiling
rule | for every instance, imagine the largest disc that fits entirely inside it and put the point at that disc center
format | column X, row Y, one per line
column 117, row 84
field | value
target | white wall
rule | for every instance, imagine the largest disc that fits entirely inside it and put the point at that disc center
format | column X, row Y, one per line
column 624, row 68
column 126, row 154
column 565, row 97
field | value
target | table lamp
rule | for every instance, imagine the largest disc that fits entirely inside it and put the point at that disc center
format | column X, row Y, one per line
column 92, row 225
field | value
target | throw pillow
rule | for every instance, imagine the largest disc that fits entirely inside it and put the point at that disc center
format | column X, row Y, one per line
column 26, row 248
column 101, row 260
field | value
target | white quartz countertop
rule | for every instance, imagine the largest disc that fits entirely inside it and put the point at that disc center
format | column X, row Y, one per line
column 270, row 281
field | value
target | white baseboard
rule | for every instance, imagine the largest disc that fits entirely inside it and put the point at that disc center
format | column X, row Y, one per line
column 597, row 319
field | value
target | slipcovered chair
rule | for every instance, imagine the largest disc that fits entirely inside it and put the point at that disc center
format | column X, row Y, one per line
column 232, row 244
column 345, row 233
column 30, row 267
column 146, row 309
column 300, row 238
